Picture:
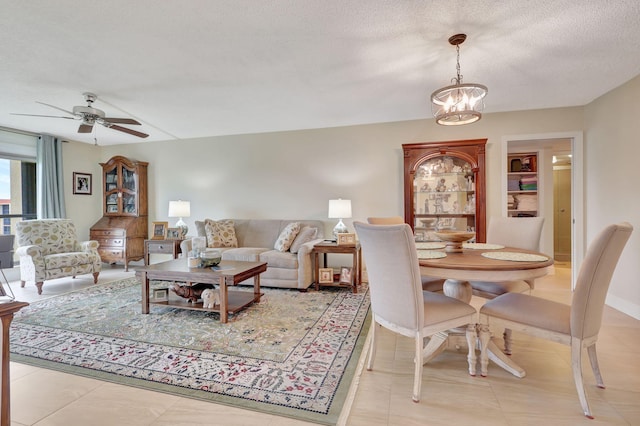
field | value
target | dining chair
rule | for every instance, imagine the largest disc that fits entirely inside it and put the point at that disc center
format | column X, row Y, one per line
column 576, row 325
column 398, row 302
column 428, row 283
column 518, row 232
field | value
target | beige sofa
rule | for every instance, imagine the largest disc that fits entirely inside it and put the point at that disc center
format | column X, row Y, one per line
column 256, row 239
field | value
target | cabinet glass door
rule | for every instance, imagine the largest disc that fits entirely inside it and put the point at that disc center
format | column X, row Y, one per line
column 444, row 197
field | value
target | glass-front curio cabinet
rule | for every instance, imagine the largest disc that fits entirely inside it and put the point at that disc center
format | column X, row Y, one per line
column 444, row 187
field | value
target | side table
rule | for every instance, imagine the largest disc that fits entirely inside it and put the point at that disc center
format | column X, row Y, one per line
column 171, row 247
column 327, row 247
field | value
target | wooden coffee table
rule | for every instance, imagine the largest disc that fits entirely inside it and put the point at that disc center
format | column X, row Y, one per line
column 227, row 274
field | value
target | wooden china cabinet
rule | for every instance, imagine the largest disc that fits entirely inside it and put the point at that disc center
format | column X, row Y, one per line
column 123, row 227
column 444, row 187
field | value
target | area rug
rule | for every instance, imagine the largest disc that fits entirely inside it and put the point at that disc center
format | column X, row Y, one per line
column 293, row 354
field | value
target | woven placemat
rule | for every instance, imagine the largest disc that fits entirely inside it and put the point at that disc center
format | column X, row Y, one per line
column 482, row 246
column 429, row 245
column 431, row 254
column 514, row 256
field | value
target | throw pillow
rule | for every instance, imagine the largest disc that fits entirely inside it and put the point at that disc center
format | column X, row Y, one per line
column 220, row 233
column 287, row 236
column 305, row 235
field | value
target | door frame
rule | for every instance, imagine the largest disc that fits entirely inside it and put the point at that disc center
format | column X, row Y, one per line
column 577, row 188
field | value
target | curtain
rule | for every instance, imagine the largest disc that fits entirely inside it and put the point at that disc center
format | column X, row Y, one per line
column 50, row 179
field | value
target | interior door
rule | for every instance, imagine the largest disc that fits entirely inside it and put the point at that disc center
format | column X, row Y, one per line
column 562, row 214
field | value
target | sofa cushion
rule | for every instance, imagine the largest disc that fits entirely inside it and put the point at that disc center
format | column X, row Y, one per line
column 220, row 233
column 279, row 259
column 287, row 236
column 305, row 235
column 247, row 254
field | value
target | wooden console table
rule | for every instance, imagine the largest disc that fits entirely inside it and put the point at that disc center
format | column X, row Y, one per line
column 7, row 310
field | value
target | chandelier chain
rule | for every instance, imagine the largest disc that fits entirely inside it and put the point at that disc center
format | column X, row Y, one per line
column 458, row 79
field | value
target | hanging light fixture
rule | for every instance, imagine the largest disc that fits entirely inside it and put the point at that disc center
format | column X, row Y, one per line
column 460, row 103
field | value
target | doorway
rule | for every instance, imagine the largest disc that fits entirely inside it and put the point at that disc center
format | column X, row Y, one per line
column 547, row 145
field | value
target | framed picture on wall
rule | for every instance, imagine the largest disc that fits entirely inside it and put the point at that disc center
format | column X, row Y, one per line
column 82, row 183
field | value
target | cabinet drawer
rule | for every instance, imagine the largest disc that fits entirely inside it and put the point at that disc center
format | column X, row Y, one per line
column 111, row 255
column 156, row 248
column 106, row 233
column 111, row 242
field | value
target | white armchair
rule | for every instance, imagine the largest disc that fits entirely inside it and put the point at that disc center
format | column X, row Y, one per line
column 49, row 249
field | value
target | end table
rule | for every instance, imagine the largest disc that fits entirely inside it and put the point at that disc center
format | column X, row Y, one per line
column 327, row 247
column 161, row 247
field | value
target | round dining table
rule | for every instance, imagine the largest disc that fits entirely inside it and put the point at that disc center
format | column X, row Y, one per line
column 479, row 262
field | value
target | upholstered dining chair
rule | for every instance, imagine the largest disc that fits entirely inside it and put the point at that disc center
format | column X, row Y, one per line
column 398, row 302
column 576, row 325
column 518, row 232
column 428, row 283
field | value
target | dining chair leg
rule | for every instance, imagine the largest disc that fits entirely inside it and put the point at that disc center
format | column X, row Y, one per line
column 472, row 341
column 593, row 359
column 417, row 375
column 372, row 346
column 506, row 335
column 576, row 366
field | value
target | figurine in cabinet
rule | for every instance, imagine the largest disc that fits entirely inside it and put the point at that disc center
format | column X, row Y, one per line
column 454, row 187
column 441, row 187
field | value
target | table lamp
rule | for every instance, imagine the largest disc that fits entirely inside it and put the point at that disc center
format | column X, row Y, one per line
column 180, row 209
column 339, row 209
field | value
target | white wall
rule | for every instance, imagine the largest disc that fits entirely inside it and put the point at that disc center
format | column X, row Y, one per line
column 612, row 154
column 294, row 174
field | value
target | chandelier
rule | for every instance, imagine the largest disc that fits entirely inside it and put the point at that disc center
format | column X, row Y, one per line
column 459, row 103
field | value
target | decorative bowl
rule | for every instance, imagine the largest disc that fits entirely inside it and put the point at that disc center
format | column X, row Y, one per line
column 210, row 258
column 454, row 239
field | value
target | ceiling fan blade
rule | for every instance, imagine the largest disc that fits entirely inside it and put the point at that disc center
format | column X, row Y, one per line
column 85, row 128
column 38, row 115
column 125, row 130
column 121, row 120
column 58, row 108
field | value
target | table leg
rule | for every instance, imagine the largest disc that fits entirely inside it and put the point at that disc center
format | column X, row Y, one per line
column 256, row 288
column 316, row 277
column 355, row 272
column 145, row 292
column 224, row 300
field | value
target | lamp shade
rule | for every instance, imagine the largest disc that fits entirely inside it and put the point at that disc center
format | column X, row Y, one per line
column 339, row 209
column 179, row 208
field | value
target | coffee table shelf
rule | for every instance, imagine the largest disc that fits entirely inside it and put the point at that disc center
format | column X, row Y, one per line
column 236, row 301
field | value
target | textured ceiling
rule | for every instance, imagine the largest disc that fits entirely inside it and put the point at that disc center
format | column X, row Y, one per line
column 209, row 67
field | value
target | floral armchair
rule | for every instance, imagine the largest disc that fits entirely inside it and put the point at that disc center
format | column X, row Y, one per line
column 49, row 248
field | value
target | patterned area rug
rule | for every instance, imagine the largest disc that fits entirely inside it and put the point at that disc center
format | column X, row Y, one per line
column 293, row 354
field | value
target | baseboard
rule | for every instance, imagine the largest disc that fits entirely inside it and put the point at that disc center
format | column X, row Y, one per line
column 624, row 306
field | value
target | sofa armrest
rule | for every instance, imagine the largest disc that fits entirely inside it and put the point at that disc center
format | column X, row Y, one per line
column 185, row 247
column 34, row 251
column 31, row 262
column 305, row 264
column 89, row 246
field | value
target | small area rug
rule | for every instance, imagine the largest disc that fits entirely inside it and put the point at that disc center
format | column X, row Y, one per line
column 293, row 354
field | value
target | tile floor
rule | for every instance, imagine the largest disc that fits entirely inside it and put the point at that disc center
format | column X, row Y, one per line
column 449, row 395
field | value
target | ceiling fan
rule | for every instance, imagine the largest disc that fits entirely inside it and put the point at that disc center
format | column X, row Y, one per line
column 90, row 116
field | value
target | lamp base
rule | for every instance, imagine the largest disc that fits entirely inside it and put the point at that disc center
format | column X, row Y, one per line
column 183, row 226
column 340, row 228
